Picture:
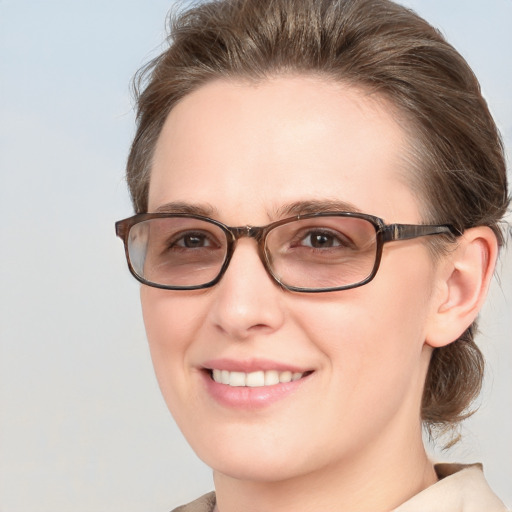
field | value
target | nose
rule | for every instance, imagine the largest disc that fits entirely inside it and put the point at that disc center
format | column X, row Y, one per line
column 247, row 301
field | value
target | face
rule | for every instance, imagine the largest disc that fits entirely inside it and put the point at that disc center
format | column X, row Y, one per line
column 243, row 153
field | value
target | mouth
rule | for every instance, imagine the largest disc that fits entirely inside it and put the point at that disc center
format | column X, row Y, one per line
column 252, row 384
column 256, row 379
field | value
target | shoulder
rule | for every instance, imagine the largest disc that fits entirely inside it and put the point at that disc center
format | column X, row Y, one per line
column 205, row 503
column 461, row 488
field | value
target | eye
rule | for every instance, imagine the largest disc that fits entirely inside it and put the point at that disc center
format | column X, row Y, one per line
column 193, row 240
column 319, row 240
column 323, row 239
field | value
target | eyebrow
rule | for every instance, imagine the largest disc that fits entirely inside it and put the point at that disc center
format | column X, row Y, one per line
column 315, row 206
column 206, row 209
column 287, row 210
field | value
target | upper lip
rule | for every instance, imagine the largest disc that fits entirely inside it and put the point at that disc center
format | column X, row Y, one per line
column 251, row 365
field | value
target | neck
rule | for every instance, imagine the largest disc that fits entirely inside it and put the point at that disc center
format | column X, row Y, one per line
column 369, row 482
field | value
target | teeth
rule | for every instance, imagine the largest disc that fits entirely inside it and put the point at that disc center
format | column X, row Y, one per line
column 237, row 379
column 285, row 377
column 254, row 379
column 271, row 378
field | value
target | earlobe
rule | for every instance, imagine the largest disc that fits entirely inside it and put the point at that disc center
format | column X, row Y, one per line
column 466, row 276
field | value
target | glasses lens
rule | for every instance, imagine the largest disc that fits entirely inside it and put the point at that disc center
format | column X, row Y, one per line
column 177, row 251
column 322, row 252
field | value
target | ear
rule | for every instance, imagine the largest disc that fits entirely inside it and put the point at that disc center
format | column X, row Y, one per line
column 464, row 278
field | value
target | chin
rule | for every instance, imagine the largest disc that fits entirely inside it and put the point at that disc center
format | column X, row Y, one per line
column 247, row 468
column 255, row 458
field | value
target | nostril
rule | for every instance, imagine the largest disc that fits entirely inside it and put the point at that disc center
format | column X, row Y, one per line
column 258, row 327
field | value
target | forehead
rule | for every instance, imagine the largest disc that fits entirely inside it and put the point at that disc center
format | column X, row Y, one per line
column 279, row 141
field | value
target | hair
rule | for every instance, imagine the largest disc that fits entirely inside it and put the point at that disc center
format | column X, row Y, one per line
column 456, row 153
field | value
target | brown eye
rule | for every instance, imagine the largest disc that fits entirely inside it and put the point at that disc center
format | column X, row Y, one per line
column 193, row 241
column 320, row 240
column 323, row 239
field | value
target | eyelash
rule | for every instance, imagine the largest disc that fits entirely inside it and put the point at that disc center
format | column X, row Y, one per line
column 180, row 237
column 338, row 238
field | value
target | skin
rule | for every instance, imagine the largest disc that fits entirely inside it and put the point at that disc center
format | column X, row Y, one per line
column 349, row 438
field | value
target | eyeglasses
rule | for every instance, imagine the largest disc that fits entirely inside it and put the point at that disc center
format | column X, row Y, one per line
column 319, row 252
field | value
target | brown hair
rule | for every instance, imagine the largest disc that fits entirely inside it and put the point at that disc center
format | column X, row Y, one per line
column 456, row 152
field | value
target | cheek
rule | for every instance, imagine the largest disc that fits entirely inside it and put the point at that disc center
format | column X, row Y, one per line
column 372, row 339
column 170, row 328
column 365, row 323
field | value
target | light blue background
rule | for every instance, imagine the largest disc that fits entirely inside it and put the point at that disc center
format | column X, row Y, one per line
column 82, row 424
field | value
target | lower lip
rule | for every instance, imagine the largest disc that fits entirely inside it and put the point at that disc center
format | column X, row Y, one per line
column 250, row 398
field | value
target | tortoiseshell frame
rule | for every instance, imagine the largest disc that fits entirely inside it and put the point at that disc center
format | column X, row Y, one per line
column 384, row 233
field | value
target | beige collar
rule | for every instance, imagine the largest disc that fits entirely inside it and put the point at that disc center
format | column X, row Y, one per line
column 461, row 488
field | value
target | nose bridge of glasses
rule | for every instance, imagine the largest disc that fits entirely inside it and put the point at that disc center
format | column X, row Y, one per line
column 255, row 232
column 247, row 232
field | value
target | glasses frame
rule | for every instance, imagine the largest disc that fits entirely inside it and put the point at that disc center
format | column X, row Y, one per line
column 384, row 233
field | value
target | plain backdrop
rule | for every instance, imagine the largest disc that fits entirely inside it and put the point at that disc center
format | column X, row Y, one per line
column 82, row 423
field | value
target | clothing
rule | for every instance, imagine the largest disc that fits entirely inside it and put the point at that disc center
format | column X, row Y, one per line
column 205, row 503
column 460, row 489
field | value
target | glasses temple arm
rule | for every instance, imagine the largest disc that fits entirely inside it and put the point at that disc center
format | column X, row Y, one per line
column 409, row 231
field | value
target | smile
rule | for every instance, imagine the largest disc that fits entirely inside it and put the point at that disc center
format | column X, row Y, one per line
column 255, row 379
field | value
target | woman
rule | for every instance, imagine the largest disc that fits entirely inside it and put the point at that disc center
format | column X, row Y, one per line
column 318, row 186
